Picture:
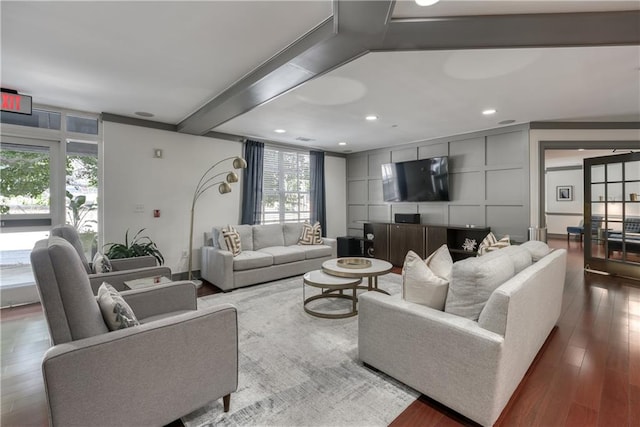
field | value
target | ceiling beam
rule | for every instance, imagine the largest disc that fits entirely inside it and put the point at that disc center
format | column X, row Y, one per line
column 358, row 27
column 338, row 40
column 510, row 31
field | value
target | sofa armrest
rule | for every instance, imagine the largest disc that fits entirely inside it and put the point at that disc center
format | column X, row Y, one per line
column 121, row 264
column 217, row 267
column 150, row 374
column 117, row 278
column 160, row 299
column 334, row 245
column 449, row 358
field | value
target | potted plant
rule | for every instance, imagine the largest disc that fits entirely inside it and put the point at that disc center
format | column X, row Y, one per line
column 139, row 246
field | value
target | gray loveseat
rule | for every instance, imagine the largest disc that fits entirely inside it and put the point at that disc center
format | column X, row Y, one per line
column 473, row 367
column 269, row 252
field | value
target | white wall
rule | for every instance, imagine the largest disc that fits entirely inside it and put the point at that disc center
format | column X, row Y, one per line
column 335, row 173
column 537, row 135
column 133, row 177
column 557, row 224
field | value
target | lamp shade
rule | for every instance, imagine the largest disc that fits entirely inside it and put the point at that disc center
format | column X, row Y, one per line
column 224, row 188
column 232, row 177
column 239, row 163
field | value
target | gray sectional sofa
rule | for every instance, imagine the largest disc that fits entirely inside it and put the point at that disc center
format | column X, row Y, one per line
column 471, row 366
column 269, row 252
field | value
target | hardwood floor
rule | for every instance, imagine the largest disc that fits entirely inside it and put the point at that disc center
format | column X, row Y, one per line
column 587, row 373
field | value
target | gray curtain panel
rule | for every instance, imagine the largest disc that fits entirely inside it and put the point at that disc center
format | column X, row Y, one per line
column 318, row 203
column 252, row 182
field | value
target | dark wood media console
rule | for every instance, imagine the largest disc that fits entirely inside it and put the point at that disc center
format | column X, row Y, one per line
column 391, row 241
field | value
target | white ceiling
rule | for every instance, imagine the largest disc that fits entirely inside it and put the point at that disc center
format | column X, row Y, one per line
column 170, row 58
column 441, row 93
column 167, row 58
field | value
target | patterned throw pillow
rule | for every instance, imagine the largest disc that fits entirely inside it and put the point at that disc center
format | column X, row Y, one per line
column 232, row 240
column 101, row 263
column 490, row 243
column 311, row 234
column 116, row 312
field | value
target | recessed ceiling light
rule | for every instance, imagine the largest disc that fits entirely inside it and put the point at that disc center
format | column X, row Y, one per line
column 580, row 149
column 506, row 122
column 426, row 2
column 279, row 131
column 342, row 143
column 371, row 118
column 489, row 111
column 143, row 114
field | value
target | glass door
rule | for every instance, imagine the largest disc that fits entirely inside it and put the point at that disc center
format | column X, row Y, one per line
column 28, row 208
column 612, row 214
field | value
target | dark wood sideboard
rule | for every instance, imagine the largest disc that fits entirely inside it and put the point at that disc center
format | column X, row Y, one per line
column 391, row 241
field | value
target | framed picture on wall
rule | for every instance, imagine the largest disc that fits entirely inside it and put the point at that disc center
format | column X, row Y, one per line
column 564, row 192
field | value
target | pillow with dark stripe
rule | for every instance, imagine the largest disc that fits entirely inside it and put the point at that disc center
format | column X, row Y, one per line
column 232, row 240
column 490, row 244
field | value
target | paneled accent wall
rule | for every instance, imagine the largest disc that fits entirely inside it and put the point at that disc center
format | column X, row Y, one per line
column 488, row 182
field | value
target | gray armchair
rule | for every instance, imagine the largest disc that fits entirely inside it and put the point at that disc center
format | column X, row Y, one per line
column 123, row 269
column 178, row 359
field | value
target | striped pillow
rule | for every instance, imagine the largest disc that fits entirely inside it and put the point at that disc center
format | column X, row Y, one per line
column 490, row 244
column 232, row 240
column 311, row 234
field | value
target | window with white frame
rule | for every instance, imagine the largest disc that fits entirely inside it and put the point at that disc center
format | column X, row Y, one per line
column 286, row 186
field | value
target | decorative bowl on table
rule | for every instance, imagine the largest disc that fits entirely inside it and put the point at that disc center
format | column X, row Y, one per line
column 353, row 263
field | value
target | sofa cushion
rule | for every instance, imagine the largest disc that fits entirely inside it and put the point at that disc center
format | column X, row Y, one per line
column 473, row 280
column 246, row 237
column 116, row 312
column 248, row 260
column 536, row 248
column 421, row 285
column 311, row 234
column 232, row 240
column 292, row 233
column 520, row 256
column 284, row 254
column 315, row 251
column 440, row 262
column 265, row 236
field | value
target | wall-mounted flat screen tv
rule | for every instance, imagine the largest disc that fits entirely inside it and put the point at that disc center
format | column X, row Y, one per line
column 425, row 180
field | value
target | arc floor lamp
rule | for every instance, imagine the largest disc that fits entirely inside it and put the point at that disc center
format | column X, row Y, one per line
column 207, row 181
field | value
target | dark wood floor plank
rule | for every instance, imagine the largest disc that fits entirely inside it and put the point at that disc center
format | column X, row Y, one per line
column 614, row 403
column 634, row 405
column 580, row 416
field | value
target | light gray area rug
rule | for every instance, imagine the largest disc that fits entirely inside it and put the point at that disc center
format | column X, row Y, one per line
column 300, row 370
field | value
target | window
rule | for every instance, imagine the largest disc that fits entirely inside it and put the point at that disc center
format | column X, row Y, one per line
column 48, row 175
column 38, row 119
column 286, row 186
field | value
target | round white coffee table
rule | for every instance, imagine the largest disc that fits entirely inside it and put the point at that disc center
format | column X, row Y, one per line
column 377, row 268
column 331, row 287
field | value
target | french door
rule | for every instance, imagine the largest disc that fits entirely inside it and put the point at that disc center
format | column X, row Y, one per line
column 612, row 214
column 30, row 202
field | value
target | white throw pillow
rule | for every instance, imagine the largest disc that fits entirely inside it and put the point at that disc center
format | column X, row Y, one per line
column 420, row 285
column 536, row 248
column 440, row 262
column 101, row 263
column 116, row 312
column 490, row 244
